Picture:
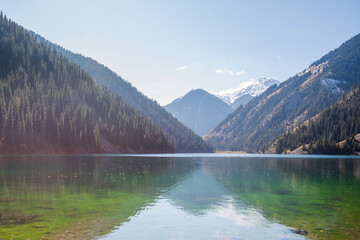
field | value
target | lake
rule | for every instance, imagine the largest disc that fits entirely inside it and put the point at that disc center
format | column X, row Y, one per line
column 179, row 196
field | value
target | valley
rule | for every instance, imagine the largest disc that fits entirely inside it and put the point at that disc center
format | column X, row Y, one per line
column 184, row 120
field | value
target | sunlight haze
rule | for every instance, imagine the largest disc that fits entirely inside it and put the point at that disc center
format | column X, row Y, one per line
column 166, row 48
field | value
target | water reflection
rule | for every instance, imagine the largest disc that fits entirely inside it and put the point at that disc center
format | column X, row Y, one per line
column 71, row 197
column 321, row 195
column 200, row 208
column 42, row 195
column 250, row 198
column 196, row 194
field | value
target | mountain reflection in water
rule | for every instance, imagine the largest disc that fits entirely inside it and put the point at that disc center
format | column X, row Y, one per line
column 172, row 197
column 200, row 208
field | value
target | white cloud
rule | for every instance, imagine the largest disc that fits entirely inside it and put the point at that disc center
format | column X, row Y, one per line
column 181, row 68
column 230, row 72
column 278, row 57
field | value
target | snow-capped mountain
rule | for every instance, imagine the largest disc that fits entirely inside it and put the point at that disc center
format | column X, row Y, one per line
column 201, row 111
column 245, row 91
column 289, row 107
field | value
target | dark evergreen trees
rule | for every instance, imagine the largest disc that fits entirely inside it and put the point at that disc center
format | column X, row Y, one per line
column 48, row 104
column 184, row 139
column 294, row 101
column 322, row 134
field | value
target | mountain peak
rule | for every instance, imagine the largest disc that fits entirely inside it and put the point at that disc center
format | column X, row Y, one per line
column 267, row 81
column 243, row 93
column 197, row 90
column 199, row 110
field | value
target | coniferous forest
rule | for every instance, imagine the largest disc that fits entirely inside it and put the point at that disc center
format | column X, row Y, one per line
column 254, row 127
column 332, row 131
column 52, row 100
column 184, row 139
column 48, row 104
column 102, row 138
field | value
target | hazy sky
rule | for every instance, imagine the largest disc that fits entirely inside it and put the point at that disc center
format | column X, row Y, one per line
column 166, row 48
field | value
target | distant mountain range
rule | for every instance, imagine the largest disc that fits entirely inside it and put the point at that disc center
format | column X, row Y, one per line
column 282, row 108
column 201, row 111
column 53, row 100
column 122, row 119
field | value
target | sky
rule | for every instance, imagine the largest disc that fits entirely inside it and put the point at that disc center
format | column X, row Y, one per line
column 166, row 48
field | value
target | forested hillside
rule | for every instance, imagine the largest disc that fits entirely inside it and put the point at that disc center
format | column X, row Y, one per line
column 294, row 101
column 48, row 104
column 184, row 139
column 322, row 133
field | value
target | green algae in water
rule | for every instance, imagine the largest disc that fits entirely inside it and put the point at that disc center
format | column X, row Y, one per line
column 70, row 197
column 321, row 196
column 54, row 197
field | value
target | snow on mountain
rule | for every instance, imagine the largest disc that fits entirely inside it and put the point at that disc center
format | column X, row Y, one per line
column 332, row 84
column 245, row 91
column 201, row 111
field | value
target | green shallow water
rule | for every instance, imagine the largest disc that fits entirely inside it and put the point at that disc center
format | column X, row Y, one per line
column 178, row 197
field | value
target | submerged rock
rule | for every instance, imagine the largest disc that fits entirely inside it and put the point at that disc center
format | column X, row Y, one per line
column 299, row 231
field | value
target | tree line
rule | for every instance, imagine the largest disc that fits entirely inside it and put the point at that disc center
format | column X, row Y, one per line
column 48, row 104
column 322, row 134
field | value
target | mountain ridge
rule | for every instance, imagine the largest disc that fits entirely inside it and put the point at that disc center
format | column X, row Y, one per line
column 244, row 92
column 295, row 100
column 201, row 110
column 184, row 139
column 50, row 105
column 334, row 130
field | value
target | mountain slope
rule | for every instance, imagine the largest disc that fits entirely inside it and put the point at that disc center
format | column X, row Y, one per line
column 243, row 93
column 199, row 110
column 292, row 102
column 48, row 104
column 183, row 138
column 322, row 133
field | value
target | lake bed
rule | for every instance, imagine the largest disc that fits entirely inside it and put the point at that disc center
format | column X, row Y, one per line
column 179, row 196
